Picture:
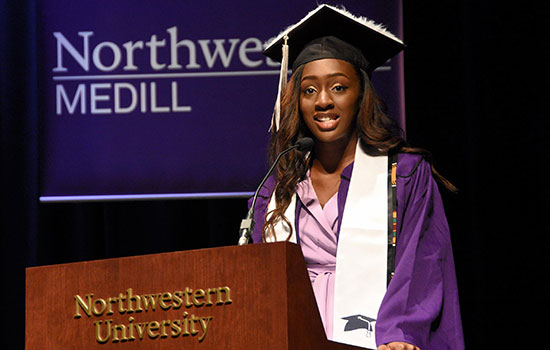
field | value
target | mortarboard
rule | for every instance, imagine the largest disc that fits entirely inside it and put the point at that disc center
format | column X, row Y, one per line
column 358, row 321
column 331, row 32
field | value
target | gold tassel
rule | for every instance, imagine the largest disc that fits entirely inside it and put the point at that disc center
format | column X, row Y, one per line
column 283, row 75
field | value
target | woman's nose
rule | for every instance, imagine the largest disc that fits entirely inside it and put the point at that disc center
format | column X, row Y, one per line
column 324, row 101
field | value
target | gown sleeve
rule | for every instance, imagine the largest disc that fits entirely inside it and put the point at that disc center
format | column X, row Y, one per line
column 421, row 303
column 261, row 207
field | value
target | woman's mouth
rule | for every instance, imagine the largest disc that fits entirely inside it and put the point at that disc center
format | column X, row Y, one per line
column 326, row 121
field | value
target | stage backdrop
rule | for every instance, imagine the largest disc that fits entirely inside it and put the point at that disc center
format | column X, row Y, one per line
column 142, row 99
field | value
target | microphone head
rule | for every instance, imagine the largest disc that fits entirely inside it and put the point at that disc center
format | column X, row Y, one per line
column 305, row 144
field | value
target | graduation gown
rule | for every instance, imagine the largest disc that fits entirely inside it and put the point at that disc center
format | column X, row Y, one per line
column 421, row 303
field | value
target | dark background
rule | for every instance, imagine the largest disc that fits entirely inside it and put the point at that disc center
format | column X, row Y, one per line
column 475, row 78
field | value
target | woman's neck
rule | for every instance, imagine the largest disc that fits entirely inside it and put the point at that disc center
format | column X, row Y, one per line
column 333, row 157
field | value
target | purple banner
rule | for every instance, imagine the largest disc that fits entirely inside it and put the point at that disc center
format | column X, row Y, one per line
column 170, row 98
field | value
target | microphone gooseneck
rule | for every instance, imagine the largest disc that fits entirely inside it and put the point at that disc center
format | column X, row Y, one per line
column 247, row 224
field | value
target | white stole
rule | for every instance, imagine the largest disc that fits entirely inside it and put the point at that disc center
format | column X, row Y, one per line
column 281, row 229
column 361, row 261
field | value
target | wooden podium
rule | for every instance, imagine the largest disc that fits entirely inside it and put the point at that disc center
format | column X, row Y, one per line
column 251, row 297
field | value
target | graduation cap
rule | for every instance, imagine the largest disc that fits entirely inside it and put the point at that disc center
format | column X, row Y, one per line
column 331, row 32
column 357, row 322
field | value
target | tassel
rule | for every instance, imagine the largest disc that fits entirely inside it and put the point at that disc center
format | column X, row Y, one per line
column 283, row 75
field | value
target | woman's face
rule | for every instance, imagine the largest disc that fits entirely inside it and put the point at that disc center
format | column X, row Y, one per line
column 329, row 96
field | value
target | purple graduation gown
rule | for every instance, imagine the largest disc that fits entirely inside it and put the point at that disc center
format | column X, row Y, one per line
column 421, row 303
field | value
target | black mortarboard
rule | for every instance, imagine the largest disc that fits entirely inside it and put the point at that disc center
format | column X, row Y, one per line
column 331, row 32
column 358, row 321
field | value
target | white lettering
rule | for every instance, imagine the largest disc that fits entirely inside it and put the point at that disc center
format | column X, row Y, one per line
column 143, row 94
column 130, row 47
column 244, row 50
column 97, row 56
column 218, row 51
column 119, row 98
column 175, row 44
column 79, row 97
column 183, row 53
column 154, row 107
column 153, row 44
column 175, row 107
column 95, row 97
column 134, row 98
column 82, row 59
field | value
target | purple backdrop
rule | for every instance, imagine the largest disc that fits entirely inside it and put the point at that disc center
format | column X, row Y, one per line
column 146, row 98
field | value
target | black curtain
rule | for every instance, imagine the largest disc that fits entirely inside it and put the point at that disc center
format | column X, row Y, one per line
column 476, row 92
column 475, row 76
column 19, row 162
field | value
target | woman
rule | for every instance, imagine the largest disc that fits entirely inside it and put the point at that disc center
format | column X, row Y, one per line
column 335, row 199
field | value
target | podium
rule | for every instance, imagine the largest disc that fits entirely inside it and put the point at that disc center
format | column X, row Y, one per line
column 250, row 297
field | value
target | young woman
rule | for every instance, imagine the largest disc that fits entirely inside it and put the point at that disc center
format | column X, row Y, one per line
column 364, row 208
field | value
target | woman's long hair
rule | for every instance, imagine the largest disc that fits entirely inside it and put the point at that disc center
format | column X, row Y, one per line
column 378, row 133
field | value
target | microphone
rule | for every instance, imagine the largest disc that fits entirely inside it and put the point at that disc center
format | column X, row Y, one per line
column 304, row 144
column 247, row 224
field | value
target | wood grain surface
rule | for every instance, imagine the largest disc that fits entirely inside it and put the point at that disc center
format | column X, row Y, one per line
column 270, row 304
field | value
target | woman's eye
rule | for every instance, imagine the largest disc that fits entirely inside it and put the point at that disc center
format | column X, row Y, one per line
column 309, row 90
column 339, row 88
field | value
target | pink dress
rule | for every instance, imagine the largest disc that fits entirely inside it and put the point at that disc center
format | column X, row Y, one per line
column 318, row 238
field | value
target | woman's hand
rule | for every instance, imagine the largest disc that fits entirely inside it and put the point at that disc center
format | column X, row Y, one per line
column 398, row 345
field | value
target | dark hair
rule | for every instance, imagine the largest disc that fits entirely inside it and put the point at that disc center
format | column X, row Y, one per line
column 377, row 131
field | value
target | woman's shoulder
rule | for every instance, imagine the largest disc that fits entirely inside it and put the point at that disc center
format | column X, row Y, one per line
column 408, row 164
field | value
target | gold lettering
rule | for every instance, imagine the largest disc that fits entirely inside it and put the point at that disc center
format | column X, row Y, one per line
column 209, row 293
column 164, row 324
column 140, row 328
column 85, row 307
column 177, row 300
column 197, row 295
column 204, row 322
column 150, row 300
column 110, row 303
column 192, row 320
column 127, row 302
column 153, row 326
column 98, row 338
column 185, row 325
column 136, row 298
column 165, row 301
column 121, row 299
column 176, row 329
column 102, row 306
column 227, row 296
column 186, row 293
column 131, row 328
column 122, row 329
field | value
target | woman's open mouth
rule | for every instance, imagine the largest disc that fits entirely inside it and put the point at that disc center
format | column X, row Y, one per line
column 326, row 121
